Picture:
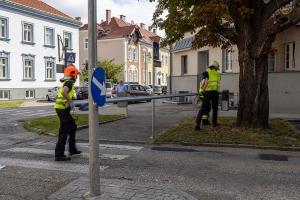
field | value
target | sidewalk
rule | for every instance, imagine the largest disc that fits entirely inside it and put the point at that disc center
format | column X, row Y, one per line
column 113, row 189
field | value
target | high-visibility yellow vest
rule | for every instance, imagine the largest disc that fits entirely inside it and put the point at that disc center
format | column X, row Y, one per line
column 61, row 100
column 214, row 80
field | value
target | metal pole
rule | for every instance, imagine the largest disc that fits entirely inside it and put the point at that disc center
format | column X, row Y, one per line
column 153, row 102
column 94, row 163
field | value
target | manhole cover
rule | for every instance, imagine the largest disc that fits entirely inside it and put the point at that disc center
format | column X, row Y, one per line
column 173, row 149
column 273, row 157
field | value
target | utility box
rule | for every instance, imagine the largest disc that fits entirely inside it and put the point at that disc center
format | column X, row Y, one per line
column 225, row 100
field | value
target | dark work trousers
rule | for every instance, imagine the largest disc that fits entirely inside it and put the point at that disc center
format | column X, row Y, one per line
column 211, row 99
column 67, row 128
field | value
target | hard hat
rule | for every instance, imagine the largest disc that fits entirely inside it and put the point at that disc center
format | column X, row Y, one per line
column 71, row 71
column 215, row 65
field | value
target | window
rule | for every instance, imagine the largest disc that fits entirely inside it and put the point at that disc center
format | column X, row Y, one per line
column 50, row 68
column 86, row 43
column 144, row 57
column 29, row 94
column 49, row 36
column 166, row 62
column 149, row 57
column 27, row 33
column 135, row 78
column 228, row 60
column 271, row 62
column 184, row 66
column 149, row 78
column 134, row 54
column 68, row 39
column 162, row 60
column 289, row 56
column 3, row 28
column 162, row 78
column 28, row 71
column 4, row 65
column 4, row 94
column 129, row 53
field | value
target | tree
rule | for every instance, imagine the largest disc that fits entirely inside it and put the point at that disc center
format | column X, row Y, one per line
column 252, row 25
column 112, row 70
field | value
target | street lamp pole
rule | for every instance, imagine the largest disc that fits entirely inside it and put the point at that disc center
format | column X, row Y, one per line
column 94, row 163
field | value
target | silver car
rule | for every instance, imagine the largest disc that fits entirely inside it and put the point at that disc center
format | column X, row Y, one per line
column 52, row 93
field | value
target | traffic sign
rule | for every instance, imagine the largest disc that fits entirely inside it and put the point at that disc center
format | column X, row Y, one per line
column 70, row 57
column 98, row 88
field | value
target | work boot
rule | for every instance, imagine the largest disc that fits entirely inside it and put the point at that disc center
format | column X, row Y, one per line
column 76, row 152
column 205, row 122
column 62, row 158
column 197, row 128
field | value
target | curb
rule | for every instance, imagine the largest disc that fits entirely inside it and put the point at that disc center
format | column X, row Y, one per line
column 86, row 126
column 244, row 146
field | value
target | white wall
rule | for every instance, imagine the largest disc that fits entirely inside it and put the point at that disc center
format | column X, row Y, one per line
column 16, row 49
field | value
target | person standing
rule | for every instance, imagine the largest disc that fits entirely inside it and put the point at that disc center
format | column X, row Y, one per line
column 211, row 91
column 121, row 89
column 63, row 107
column 205, row 117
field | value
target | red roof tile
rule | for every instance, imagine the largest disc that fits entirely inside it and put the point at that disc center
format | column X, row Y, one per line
column 42, row 6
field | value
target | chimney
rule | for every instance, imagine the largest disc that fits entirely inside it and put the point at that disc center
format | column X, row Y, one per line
column 154, row 30
column 108, row 16
column 78, row 19
column 123, row 17
column 150, row 28
column 142, row 25
column 132, row 22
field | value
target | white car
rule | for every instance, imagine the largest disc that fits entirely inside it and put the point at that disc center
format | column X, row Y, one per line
column 109, row 87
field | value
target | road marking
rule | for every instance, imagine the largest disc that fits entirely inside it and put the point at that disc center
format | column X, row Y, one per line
column 8, row 110
column 48, row 165
column 102, row 146
column 51, row 152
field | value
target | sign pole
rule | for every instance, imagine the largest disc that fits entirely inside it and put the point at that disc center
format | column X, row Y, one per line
column 94, row 163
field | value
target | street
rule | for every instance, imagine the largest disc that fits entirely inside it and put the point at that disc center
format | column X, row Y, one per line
column 201, row 172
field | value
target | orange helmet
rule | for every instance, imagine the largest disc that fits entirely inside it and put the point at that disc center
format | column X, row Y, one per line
column 71, row 71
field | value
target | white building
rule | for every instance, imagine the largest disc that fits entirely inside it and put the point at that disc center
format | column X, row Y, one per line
column 29, row 47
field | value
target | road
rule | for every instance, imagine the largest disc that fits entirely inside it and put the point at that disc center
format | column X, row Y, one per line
column 203, row 172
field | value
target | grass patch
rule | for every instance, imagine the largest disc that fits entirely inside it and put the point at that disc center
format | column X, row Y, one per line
column 280, row 133
column 10, row 104
column 50, row 124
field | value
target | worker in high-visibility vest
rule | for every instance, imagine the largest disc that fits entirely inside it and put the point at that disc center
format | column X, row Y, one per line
column 205, row 117
column 63, row 107
column 211, row 91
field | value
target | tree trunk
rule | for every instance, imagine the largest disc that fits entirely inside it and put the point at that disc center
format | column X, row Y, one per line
column 253, row 108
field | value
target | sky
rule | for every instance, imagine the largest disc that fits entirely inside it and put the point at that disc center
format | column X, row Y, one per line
column 140, row 11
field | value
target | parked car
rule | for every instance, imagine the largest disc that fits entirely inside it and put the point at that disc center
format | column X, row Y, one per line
column 133, row 90
column 81, row 93
column 52, row 93
column 109, row 87
column 148, row 89
column 157, row 89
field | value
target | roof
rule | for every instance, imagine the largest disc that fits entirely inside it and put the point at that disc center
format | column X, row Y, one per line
column 41, row 6
column 183, row 44
column 118, row 28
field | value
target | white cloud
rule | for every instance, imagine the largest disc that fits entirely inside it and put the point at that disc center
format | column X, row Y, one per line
column 140, row 11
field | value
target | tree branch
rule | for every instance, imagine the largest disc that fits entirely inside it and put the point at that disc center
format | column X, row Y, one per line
column 270, row 8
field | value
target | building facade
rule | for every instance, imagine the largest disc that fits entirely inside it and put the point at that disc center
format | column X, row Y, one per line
column 29, row 47
column 128, row 44
column 283, row 63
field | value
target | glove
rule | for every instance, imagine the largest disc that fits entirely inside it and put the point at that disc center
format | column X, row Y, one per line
column 201, row 96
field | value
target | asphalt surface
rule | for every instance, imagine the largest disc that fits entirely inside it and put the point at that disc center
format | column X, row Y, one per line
column 204, row 172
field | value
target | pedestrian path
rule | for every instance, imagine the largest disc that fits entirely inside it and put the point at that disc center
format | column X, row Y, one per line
column 40, row 155
column 19, row 113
